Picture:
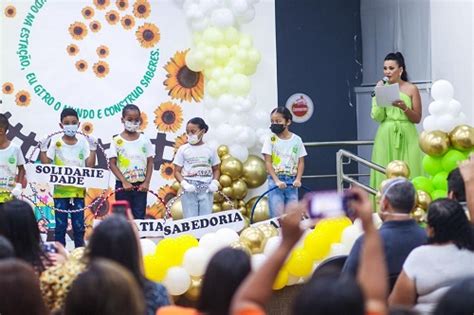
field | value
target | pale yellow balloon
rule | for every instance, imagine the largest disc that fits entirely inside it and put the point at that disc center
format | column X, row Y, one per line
column 254, row 172
column 397, row 168
column 239, row 189
column 232, row 167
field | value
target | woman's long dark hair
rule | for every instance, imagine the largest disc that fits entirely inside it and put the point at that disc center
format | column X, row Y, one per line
column 115, row 239
column 18, row 225
column 450, row 224
column 398, row 58
column 225, row 272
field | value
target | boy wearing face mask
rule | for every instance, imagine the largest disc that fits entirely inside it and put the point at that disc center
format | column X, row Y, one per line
column 131, row 160
column 284, row 154
column 69, row 150
column 197, row 169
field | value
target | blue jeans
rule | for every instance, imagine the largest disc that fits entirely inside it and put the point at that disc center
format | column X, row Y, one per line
column 77, row 219
column 196, row 203
column 136, row 199
column 278, row 198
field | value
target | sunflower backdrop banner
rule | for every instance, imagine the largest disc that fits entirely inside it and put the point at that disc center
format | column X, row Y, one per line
column 98, row 55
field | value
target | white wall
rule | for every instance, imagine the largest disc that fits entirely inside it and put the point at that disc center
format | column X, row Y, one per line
column 452, row 53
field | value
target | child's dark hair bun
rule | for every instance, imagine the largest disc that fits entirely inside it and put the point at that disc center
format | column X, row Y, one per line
column 199, row 122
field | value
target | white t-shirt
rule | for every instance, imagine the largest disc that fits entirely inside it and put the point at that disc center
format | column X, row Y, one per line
column 434, row 269
column 285, row 153
column 10, row 158
column 197, row 162
column 132, row 156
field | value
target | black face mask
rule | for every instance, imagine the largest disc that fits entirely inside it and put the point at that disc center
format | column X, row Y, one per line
column 277, row 128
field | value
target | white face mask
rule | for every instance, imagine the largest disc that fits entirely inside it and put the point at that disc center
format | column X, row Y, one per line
column 193, row 139
column 70, row 130
column 131, row 126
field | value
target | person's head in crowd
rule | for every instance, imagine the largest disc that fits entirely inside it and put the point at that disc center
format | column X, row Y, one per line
column 69, row 122
column 20, row 289
column 456, row 189
column 225, row 272
column 106, row 288
column 330, row 294
column 280, row 118
column 394, row 67
column 131, row 118
column 18, row 225
column 3, row 124
column 400, row 310
column 115, row 239
column 448, row 223
column 6, row 248
column 458, row 300
column 398, row 199
column 195, row 129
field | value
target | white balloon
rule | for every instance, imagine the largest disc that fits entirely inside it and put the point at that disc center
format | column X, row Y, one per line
column 445, row 122
column 454, row 107
column 177, row 281
column 239, row 152
column 209, row 102
column 189, row 3
column 207, row 5
column 148, row 246
column 442, row 90
column 199, row 25
column 271, row 245
column 226, row 101
column 239, row 7
column 246, row 104
column 222, row 18
column 338, row 249
column 429, row 123
column 292, row 280
column 247, row 16
column 211, row 243
column 350, row 235
column 437, row 107
column 261, row 119
column 213, row 144
column 227, row 236
column 179, row 3
column 194, row 12
column 195, row 261
column 257, row 261
column 215, row 115
column 225, row 133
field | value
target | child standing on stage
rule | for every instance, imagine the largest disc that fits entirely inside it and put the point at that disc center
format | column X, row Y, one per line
column 69, row 150
column 12, row 171
column 131, row 160
column 197, row 169
column 284, row 154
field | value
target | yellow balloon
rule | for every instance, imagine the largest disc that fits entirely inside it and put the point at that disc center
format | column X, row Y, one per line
column 222, row 150
column 194, row 290
column 239, row 188
column 462, row 137
column 225, row 180
column 218, row 197
column 187, row 241
column 153, row 269
column 177, row 210
column 317, row 244
column 216, row 207
column 262, row 210
column 232, row 167
column 228, row 191
column 434, row 143
column 281, row 279
column 227, row 205
column 397, row 168
column 268, row 230
column 419, row 215
column 243, row 247
column 254, row 172
column 423, row 199
column 254, row 239
column 300, row 263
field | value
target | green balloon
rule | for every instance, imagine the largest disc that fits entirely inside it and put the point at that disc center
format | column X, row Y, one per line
column 440, row 181
column 437, row 194
column 432, row 165
column 423, row 183
column 451, row 159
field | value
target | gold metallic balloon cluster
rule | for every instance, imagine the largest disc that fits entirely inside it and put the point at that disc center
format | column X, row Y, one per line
column 253, row 239
column 437, row 143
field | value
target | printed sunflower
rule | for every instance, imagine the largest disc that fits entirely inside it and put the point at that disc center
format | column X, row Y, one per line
column 101, row 69
column 22, row 98
column 72, row 49
column 10, row 11
column 103, row 51
column 78, row 30
column 101, row 4
column 119, row 142
column 81, row 65
column 168, row 117
column 167, row 170
column 155, row 211
column 87, row 127
column 128, row 22
column 122, row 4
column 141, row 9
column 148, row 35
column 166, row 193
column 98, row 210
column 179, row 141
column 8, row 88
column 143, row 121
column 183, row 83
column 88, row 12
column 95, row 26
column 113, row 17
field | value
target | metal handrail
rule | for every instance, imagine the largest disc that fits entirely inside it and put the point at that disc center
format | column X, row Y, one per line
column 341, row 177
column 337, row 143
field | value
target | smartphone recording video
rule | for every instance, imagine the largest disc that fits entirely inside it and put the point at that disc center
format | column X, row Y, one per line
column 330, row 204
column 50, row 248
column 121, row 207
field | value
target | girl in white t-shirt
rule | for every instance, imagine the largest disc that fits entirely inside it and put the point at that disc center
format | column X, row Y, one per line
column 284, row 154
column 131, row 160
column 197, row 169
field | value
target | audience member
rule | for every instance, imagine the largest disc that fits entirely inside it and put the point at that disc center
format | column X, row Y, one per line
column 458, row 300
column 6, row 248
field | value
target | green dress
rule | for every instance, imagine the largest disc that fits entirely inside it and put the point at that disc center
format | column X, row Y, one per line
column 396, row 139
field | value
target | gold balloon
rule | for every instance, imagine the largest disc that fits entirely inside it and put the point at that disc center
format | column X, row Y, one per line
column 228, row 191
column 194, row 289
column 268, row 230
column 462, row 137
column 242, row 247
column 254, row 239
column 227, row 205
column 236, row 203
column 232, row 167
column 419, row 215
column 243, row 210
column 218, row 197
column 226, row 157
column 225, row 180
column 397, row 168
column 240, row 189
column 423, row 199
column 378, row 196
column 262, row 210
column 222, row 150
column 254, row 171
column 176, row 186
column 216, row 207
column 383, row 183
column 177, row 210
column 241, row 203
column 434, row 143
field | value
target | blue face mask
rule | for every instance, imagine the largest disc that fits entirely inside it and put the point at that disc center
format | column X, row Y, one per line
column 70, row 130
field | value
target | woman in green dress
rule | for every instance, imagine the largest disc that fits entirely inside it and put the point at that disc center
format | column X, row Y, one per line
column 397, row 137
